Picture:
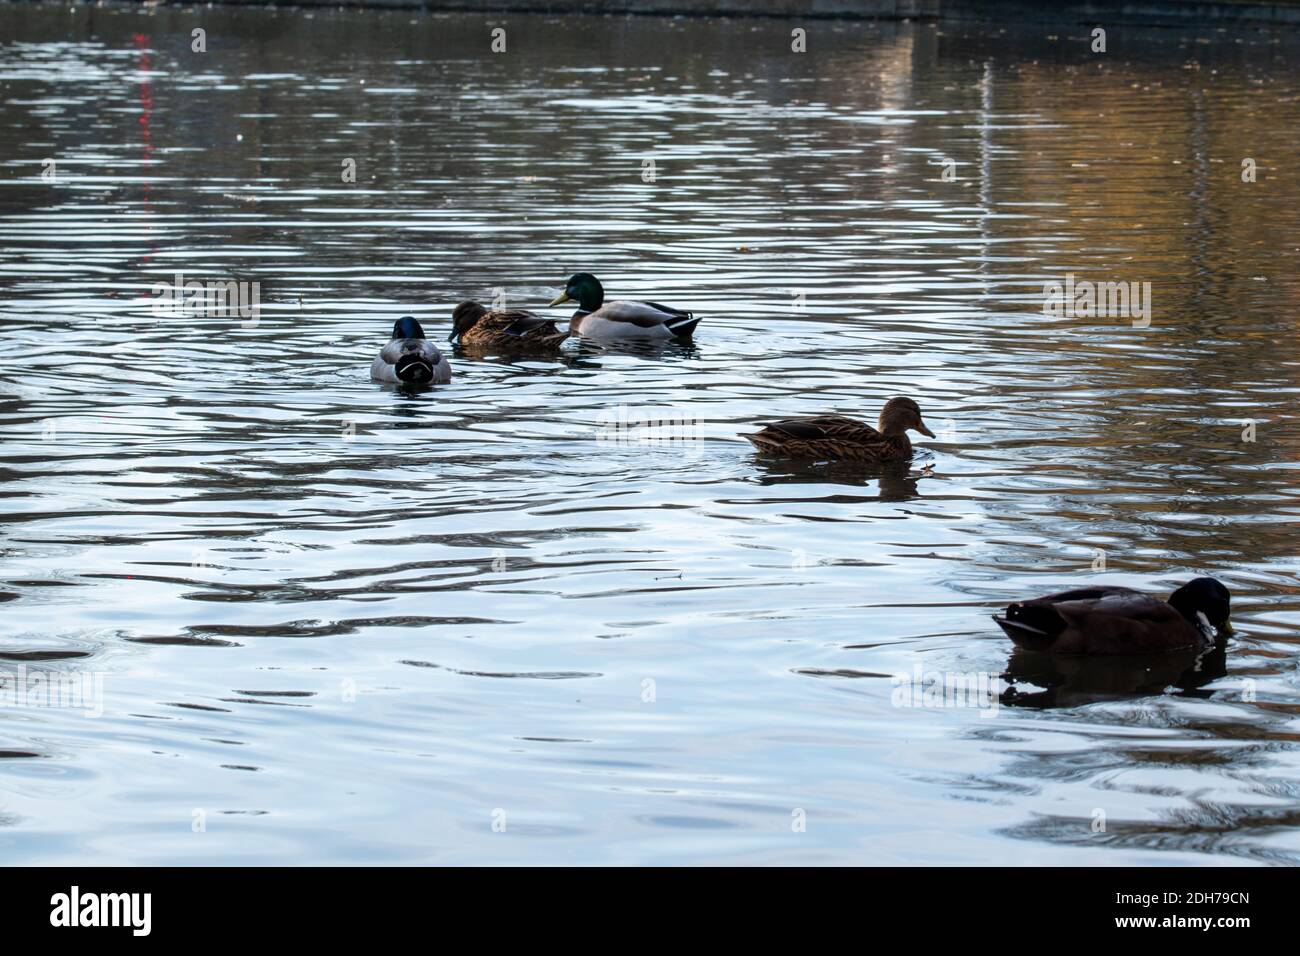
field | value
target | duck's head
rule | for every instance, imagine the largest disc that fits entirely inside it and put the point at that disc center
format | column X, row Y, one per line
column 464, row 318
column 583, row 288
column 1205, row 603
column 407, row 328
column 900, row 414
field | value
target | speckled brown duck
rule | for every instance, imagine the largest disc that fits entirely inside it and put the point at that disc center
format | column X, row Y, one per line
column 832, row 436
column 478, row 328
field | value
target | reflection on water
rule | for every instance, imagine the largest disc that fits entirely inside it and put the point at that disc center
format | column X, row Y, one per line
column 1054, row 681
column 342, row 623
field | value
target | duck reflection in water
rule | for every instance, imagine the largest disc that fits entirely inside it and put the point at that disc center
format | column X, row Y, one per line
column 671, row 348
column 1036, row 679
column 897, row 481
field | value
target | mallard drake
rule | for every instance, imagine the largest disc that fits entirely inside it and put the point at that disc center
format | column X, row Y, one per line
column 476, row 326
column 831, row 436
column 410, row 358
column 622, row 321
column 1112, row 620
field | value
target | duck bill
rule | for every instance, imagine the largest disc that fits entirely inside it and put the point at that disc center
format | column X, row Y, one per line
column 924, row 431
column 562, row 297
column 1226, row 629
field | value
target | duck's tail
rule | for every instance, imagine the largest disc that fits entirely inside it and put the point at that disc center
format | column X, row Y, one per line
column 683, row 327
column 1031, row 636
column 414, row 370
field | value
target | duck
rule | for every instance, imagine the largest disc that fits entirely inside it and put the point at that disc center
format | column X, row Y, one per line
column 1116, row 620
column 477, row 327
column 410, row 358
column 832, row 436
column 622, row 321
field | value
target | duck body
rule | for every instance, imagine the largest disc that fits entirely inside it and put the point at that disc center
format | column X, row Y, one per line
column 823, row 437
column 409, row 358
column 1102, row 621
column 634, row 322
column 622, row 321
column 478, row 328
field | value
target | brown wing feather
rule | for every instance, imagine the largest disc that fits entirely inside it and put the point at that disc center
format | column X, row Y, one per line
column 819, row 427
column 1102, row 620
column 1123, row 622
column 513, row 329
column 829, row 436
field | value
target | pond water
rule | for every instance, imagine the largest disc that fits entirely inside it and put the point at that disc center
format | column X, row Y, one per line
column 312, row 619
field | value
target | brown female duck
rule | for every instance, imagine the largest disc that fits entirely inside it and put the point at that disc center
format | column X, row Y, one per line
column 478, row 328
column 1114, row 620
column 831, row 436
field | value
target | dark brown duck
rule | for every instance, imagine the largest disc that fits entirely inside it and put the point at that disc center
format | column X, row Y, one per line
column 476, row 327
column 1114, row 620
column 832, row 436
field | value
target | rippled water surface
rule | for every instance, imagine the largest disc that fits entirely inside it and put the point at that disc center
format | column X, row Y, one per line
column 329, row 622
